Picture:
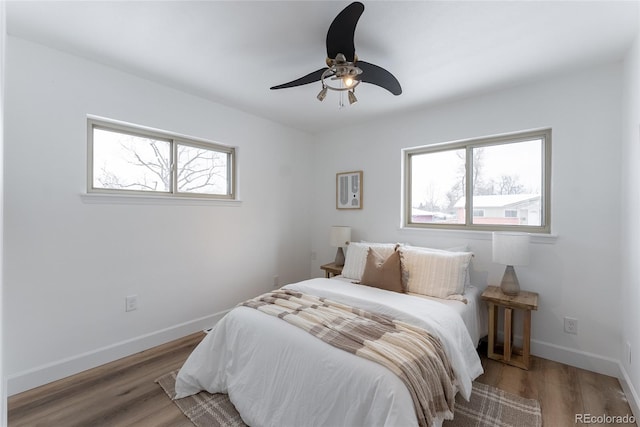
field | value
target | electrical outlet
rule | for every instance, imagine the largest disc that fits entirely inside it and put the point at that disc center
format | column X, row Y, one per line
column 131, row 303
column 276, row 281
column 571, row 325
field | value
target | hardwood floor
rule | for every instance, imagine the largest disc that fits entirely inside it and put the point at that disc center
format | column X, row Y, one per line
column 122, row 393
column 563, row 391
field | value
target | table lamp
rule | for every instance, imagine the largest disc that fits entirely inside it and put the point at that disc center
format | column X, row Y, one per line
column 510, row 249
column 340, row 236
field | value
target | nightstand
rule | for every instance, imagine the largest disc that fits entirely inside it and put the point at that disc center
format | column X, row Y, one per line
column 525, row 301
column 331, row 269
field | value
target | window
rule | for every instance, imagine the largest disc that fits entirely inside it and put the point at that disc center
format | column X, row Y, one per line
column 128, row 160
column 494, row 183
column 510, row 213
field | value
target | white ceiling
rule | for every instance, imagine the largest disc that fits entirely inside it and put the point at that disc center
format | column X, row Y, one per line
column 231, row 52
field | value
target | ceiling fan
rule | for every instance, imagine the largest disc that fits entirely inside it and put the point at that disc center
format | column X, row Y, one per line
column 344, row 70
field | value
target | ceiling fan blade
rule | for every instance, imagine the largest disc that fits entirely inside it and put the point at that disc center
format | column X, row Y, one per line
column 378, row 76
column 309, row 78
column 341, row 32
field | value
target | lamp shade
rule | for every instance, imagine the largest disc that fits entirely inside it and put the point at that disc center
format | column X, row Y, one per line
column 511, row 248
column 340, row 236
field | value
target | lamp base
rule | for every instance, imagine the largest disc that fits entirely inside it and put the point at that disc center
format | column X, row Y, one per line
column 510, row 285
column 339, row 261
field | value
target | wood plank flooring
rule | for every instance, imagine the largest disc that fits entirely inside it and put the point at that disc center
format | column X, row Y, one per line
column 122, row 393
column 562, row 390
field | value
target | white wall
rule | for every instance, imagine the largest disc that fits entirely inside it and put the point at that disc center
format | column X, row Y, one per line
column 630, row 242
column 70, row 263
column 3, row 384
column 577, row 273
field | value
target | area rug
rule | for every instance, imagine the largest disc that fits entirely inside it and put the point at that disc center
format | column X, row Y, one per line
column 488, row 407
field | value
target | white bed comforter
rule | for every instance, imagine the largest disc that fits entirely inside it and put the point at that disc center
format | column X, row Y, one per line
column 279, row 375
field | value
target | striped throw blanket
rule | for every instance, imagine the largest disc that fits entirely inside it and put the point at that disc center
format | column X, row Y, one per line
column 413, row 354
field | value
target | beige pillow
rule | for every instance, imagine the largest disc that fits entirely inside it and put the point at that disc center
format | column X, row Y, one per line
column 383, row 273
column 461, row 248
column 437, row 274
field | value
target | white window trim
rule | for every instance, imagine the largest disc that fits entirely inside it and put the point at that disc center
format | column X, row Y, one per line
column 102, row 195
column 153, row 199
column 468, row 144
column 416, row 232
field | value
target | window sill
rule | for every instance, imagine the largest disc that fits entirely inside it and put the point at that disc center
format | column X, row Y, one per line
column 542, row 238
column 125, row 199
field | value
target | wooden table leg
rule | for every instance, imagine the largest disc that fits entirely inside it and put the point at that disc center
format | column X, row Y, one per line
column 508, row 323
column 493, row 330
column 526, row 338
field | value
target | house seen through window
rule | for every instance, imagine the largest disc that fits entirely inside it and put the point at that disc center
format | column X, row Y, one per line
column 495, row 183
column 124, row 159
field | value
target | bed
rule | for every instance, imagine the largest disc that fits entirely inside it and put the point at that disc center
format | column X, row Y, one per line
column 277, row 374
column 472, row 312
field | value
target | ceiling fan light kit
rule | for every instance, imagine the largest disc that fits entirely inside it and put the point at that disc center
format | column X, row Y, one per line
column 344, row 76
column 344, row 71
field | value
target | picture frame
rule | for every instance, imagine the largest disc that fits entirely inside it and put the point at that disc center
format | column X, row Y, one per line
column 349, row 189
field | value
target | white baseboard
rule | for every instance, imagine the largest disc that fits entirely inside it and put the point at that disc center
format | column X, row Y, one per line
column 591, row 362
column 26, row 380
column 630, row 392
column 580, row 359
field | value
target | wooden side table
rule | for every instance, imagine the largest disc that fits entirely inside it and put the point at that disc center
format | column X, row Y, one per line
column 525, row 301
column 331, row 269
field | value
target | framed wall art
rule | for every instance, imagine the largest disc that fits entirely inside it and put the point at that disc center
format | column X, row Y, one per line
column 349, row 190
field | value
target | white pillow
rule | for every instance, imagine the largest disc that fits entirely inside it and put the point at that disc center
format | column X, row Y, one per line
column 356, row 257
column 433, row 272
column 461, row 248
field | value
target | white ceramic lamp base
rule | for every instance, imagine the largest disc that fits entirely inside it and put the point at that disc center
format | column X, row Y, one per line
column 339, row 261
column 510, row 285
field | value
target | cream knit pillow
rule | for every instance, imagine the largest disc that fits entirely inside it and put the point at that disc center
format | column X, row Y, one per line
column 437, row 274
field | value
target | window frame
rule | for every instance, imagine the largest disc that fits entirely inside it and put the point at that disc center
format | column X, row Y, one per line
column 174, row 141
column 468, row 145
